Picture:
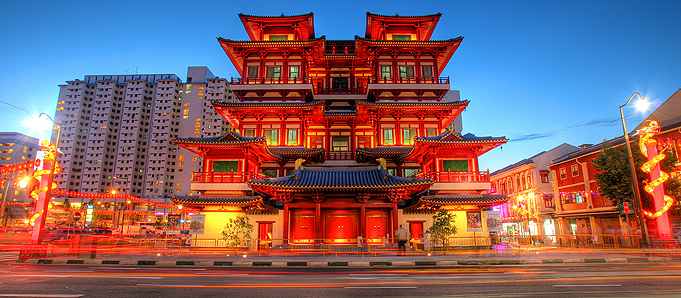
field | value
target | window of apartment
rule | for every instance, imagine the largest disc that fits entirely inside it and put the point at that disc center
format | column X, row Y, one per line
column 292, row 137
column 406, row 71
column 278, row 37
column 544, row 177
column 225, row 166
column 340, row 144
column 274, row 72
column 385, row 72
column 409, row 134
column 388, row 138
column 575, row 171
column 455, row 165
column 401, row 37
column 272, row 136
column 294, row 72
column 563, row 175
column 427, row 71
column 253, row 72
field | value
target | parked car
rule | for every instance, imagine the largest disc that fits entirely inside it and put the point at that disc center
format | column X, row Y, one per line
column 63, row 233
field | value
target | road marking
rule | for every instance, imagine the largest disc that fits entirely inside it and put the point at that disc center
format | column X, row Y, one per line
column 379, row 274
column 67, row 271
column 605, row 285
column 42, row 295
column 530, row 272
column 380, row 287
column 219, row 273
column 170, row 286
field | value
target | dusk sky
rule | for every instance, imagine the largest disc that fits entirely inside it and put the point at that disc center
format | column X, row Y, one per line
column 541, row 73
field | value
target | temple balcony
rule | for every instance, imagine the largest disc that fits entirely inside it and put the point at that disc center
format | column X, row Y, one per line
column 459, row 180
column 433, row 88
column 264, row 88
column 207, row 181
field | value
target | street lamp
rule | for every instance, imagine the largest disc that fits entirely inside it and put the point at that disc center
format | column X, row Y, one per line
column 48, row 193
column 641, row 105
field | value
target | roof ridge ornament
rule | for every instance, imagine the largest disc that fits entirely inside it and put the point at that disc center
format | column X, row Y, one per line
column 299, row 162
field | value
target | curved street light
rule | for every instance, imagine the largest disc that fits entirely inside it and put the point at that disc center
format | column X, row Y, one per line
column 642, row 105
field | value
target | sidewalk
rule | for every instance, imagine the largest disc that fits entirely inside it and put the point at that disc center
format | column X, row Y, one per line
column 253, row 259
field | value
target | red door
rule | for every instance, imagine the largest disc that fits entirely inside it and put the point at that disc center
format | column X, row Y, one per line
column 303, row 227
column 340, row 227
column 416, row 229
column 377, row 227
column 265, row 234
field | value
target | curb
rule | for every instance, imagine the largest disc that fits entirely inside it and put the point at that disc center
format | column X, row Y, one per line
column 188, row 263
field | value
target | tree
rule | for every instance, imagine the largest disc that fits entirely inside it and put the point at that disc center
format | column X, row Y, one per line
column 614, row 178
column 443, row 227
column 238, row 231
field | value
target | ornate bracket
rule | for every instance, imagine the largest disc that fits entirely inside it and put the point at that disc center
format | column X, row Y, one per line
column 318, row 197
column 363, row 197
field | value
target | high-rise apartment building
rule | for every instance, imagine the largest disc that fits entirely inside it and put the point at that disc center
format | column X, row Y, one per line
column 15, row 148
column 116, row 131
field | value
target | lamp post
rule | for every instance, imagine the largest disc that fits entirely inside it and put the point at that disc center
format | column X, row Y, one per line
column 48, row 193
column 632, row 169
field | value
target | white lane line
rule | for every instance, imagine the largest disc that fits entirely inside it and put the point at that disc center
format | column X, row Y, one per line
column 604, row 285
column 170, row 286
column 380, row 287
column 128, row 277
column 219, row 273
column 67, row 271
column 42, row 295
column 385, row 274
column 42, row 275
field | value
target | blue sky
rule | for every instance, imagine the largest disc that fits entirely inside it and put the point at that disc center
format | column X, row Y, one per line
column 541, row 73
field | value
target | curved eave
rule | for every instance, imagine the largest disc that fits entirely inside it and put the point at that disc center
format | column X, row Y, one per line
column 476, row 200
column 414, row 105
column 480, row 147
column 265, row 105
column 375, row 188
column 203, row 202
column 201, row 148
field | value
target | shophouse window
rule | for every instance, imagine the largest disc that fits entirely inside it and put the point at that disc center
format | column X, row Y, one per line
column 401, row 37
column 278, row 37
column 388, row 138
column 385, row 72
column 274, row 72
column 406, row 71
column 253, row 72
column 563, row 175
column 272, row 136
column 409, row 134
column 544, row 177
column 292, row 137
column 548, row 203
column 340, row 144
column 574, row 170
column 294, row 72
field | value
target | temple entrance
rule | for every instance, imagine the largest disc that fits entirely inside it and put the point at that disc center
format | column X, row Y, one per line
column 377, row 227
column 303, row 227
column 264, row 235
column 340, row 226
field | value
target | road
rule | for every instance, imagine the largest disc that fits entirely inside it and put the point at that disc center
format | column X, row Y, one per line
column 555, row 280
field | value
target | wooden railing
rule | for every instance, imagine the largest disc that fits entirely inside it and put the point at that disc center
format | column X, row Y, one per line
column 345, row 155
column 225, row 177
column 449, row 176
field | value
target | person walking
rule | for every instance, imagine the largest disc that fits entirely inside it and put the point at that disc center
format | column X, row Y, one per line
column 402, row 237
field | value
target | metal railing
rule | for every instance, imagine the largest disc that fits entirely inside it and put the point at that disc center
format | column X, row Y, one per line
column 409, row 80
column 225, row 177
column 451, row 176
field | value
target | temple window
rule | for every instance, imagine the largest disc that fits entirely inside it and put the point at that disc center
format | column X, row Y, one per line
column 292, row 137
column 225, row 166
column 409, row 134
column 278, row 37
column 385, row 72
column 270, row 172
column 401, row 37
column 410, row 172
column 340, row 144
column 431, row 132
column 294, row 72
column 272, row 136
column 406, row 71
column 427, row 71
column 391, row 172
column 274, row 72
column 388, row 138
column 253, row 72
column 455, row 165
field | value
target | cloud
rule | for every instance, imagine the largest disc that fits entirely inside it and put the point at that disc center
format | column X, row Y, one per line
column 532, row 136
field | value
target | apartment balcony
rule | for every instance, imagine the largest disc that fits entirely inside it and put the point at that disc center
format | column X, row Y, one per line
column 206, row 181
column 459, row 180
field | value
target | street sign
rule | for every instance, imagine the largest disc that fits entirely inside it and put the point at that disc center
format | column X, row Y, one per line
column 76, row 216
column 626, row 207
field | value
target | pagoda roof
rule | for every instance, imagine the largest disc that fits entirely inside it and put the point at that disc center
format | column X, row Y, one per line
column 233, row 112
column 444, row 49
column 463, row 199
column 392, row 152
column 302, row 26
column 312, row 154
column 376, row 24
column 326, row 179
column 408, row 105
column 231, row 139
column 237, row 51
column 218, row 200
column 450, row 138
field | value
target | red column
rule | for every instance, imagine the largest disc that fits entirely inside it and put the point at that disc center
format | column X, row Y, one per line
column 363, row 220
column 395, row 222
column 287, row 218
column 318, row 221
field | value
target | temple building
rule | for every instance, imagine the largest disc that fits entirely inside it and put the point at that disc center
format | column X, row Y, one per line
column 332, row 140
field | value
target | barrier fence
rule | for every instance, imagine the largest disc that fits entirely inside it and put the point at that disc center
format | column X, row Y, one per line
column 102, row 246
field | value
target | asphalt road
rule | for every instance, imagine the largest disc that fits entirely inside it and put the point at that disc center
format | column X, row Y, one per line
column 554, row 280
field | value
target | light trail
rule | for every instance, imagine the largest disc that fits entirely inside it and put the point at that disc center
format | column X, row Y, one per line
column 43, row 295
column 606, row 285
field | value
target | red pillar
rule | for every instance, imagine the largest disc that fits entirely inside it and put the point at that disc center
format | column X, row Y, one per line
column 286, row 222
column 395, row 222
column 318, row 221
column 363, row 220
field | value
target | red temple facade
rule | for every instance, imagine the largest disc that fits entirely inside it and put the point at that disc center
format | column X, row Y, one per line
column 336, row 139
